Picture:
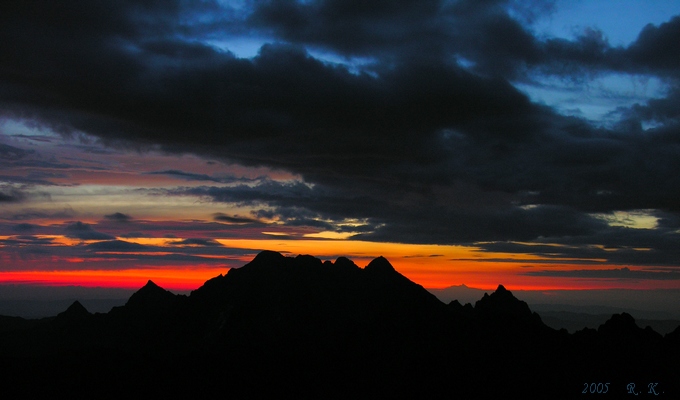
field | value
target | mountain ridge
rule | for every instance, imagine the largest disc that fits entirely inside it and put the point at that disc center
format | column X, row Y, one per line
column 307, row 325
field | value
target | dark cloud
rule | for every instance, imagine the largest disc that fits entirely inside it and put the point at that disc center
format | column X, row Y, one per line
column 416, row 129
column 268, row 192
column 33, row 252
column 191, row 249
column 137, row 228
column 133, row 235
column 83, row 231
column 196, row 242
column 425, row 218
column 33, row 214
column 492, row 36
column 439, row 225
column 199, row 177
column 115, row 245
column 11, row 194
column 668, row 220
column 18, row 167
column 11, row 153
column 24, row 227
column 664, row 113
column 27, row 240
column 425, row 256
column 656, row 48
column 612, row 245
column 19, row 190
column 53, row 164
column 294, row 203
column 11, row 197
column 118, row 217
column 43, row 177
column 351, row 27
column 233, row 219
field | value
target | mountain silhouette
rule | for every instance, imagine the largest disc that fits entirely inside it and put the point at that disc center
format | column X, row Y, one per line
column 75, row 312
column 150, row 296
column 302, row 327
column 502, row 307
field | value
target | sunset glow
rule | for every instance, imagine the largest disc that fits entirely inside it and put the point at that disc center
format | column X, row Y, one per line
column 432, row 266
column 178, row 279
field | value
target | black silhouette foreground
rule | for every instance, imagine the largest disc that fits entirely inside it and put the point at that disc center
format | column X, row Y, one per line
column 282, row 327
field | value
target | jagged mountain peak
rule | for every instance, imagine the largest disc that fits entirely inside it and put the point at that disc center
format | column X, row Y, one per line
column 152, row 288
column 299, row 317
column 380, row 265
column 267, row 257
column 75, row 310
column 344, row 263
column 623, row 328
column 149, row 293
column 151, row 285
column 277, row 288
column 619, row 323
column 75, row 315
column 503, row 302
column 266, row 260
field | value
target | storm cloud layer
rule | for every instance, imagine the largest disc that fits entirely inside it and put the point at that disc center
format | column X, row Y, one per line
column 406, row 116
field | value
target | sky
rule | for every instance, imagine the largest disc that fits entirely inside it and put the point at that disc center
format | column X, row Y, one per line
column 534, row 144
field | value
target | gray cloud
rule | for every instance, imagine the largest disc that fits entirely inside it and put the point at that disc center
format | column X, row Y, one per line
column 234, row 219
column 11, row 153
column 115, row 245
column 132, row 235
column 196, row 242
column 24, row 227
column 11, row 195
column 32, row 214
column 83, row 231
column 118, row 217
column 613, row 245
column 422, row 219
column 39, row 252
column 24, row 240
column 200, row 177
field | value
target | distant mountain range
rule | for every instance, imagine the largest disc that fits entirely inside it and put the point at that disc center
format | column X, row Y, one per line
column 588, row 308
column 299, row 327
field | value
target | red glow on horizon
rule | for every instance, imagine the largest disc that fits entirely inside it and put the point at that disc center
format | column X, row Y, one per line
column 191, row 278
column 431, row 266
column 167, row 278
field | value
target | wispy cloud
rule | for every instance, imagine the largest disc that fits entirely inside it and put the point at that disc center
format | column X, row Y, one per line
column 118, row 217
column 200, row 177
column 83, row 231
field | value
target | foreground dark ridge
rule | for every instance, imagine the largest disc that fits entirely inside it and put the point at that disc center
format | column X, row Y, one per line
column 301, row 327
